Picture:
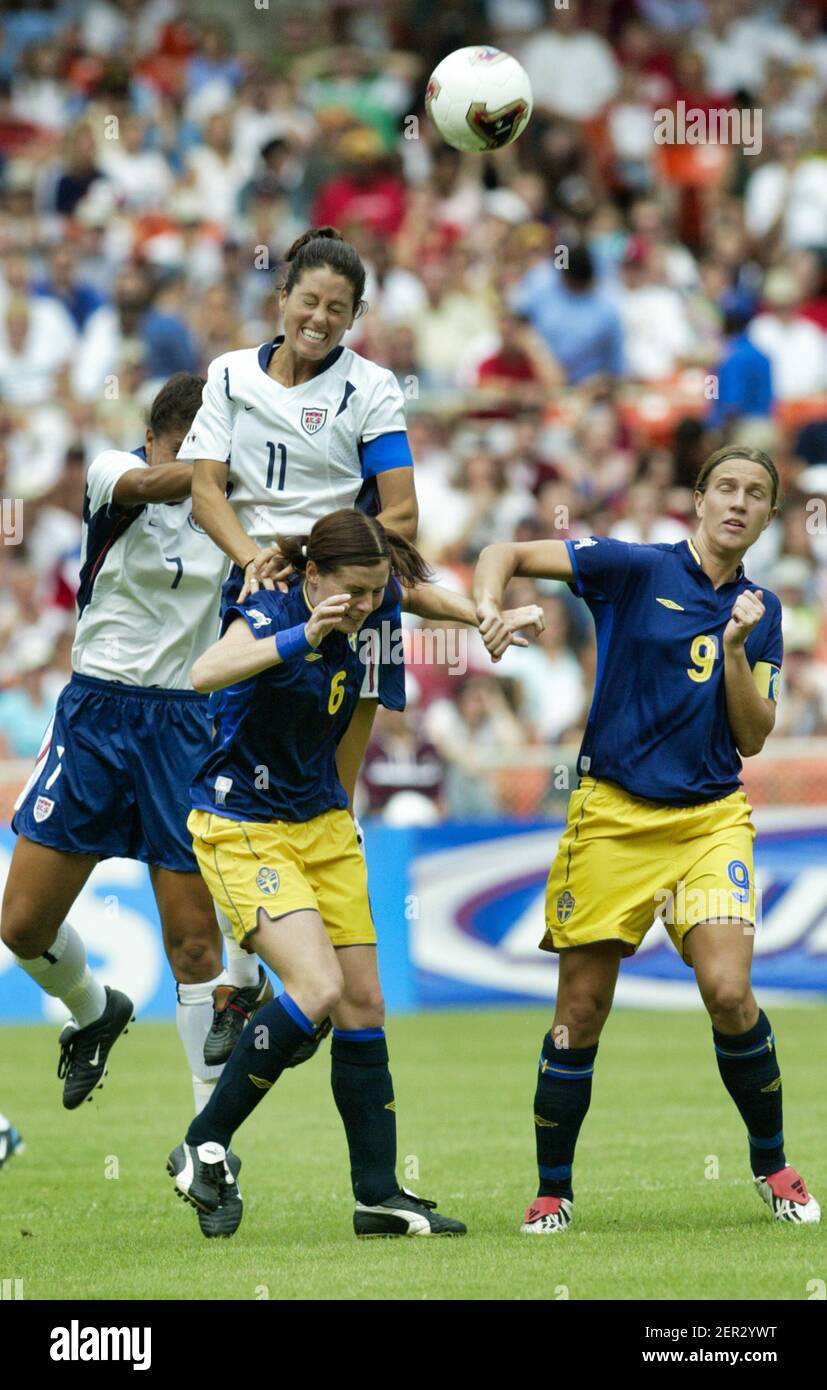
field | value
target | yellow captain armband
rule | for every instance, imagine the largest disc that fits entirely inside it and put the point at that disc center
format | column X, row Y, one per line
column 766, row 677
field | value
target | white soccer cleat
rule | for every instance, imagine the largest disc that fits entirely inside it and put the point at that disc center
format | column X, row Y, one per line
column 785, row 1192
column 547, row 1216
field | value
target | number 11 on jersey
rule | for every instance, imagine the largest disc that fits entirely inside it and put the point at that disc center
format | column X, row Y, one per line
column 271, row 464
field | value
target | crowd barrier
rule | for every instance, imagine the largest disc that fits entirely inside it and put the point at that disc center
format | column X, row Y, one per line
column 459, row 909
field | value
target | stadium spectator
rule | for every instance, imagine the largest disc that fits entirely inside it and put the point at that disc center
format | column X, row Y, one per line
column 580, row 326
column 794, row 345
column 786, row 197
column 79, row 298
column 37, row 339
column 476, row 721
column 72, row 179
column 402, row 772
column 455, row 323
column 548, row 664
column 657, row 333
column 522, row 372
column 216, row 172
column 167, row 337
column 141, row 177
column 367, row 191
column 744, row 373
column 573, row 71
column 643, row 522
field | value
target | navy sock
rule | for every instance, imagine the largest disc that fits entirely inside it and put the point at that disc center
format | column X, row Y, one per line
column 363, row 1092
column 749, row 1069
column 564, row 1089
column 255, row 1064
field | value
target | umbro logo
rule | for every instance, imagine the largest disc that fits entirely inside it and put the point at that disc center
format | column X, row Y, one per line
column 313, row 656
column 670, row 603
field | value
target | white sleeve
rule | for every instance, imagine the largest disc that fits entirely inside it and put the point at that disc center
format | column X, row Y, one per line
column 384, row 410
column 212, row 429
column 104, row 472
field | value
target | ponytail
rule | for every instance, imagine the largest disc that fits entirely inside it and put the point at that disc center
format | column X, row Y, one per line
column 351, row 537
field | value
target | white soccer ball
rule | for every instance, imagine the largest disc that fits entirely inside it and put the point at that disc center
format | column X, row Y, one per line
column 479, row 99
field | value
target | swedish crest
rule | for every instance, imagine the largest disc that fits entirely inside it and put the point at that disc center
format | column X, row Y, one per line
column 313, row 419
column 565, row 906
column 267, row 880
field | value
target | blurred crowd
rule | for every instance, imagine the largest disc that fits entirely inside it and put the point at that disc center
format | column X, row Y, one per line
column 575, row 321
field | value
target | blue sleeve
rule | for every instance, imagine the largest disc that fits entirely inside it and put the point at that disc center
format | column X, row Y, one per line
column 385, row 451
column 603, row 566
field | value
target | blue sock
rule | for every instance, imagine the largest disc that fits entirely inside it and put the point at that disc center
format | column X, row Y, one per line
column 564, row 1089
column 363, row 1092
column 749, row 1069
column 255, row 1064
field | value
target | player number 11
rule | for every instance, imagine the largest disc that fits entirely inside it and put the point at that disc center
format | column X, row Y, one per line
column 271, row 464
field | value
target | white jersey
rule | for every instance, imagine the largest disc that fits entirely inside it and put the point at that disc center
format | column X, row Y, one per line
column 150, row 585
column 296, row 453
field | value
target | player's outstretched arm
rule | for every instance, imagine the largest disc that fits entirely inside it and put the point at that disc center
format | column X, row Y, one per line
column 443, row 605
column 497, row 566
column 163, row 482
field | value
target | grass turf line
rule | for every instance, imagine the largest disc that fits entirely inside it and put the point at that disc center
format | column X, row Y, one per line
column 648, row 1223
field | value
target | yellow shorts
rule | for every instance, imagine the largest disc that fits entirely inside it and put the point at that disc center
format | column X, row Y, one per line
column 285, row 866
column 622, row 861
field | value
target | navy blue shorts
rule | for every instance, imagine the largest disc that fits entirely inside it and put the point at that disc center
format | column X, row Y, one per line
column 385, row 681
column 113, row 774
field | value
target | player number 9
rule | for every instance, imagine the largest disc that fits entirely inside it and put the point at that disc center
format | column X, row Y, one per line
column 337, row 692
column 739, row 875
column 703, row 652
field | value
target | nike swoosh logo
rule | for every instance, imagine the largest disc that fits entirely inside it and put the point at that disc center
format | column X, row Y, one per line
column 249, row 407
column 95, row 1061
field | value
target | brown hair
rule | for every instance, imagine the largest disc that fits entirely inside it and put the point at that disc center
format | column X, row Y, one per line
column 325, row 246
column 738, row 451
column 351, row 537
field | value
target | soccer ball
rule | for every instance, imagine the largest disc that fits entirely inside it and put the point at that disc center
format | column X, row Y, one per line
column 479, row 99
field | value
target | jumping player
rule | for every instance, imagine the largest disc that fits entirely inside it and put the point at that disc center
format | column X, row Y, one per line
column 113, row 773
column 287, row 433
column 689, row 654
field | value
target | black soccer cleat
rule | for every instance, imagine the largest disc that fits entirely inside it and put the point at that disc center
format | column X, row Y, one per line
column 205, row 1179
column 83, row 1051
column 232, row 1010
column 227, row 1219
column 403, row 1214
column 311, row 1045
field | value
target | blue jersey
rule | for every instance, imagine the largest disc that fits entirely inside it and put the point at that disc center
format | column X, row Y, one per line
column 658, row 723
column 276, row 734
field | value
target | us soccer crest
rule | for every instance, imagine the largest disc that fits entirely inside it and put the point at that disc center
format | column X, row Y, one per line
column 313, row 419
column 43, row 808
column 565, row 906
column 267, row 880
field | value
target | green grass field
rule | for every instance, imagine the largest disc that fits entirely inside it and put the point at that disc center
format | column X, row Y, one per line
column 648, row 1223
